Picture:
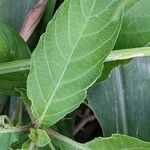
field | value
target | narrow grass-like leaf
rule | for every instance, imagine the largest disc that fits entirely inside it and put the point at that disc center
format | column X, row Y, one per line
column 69, row 57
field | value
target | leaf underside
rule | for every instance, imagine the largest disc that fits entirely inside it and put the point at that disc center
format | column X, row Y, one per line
column 69, row 57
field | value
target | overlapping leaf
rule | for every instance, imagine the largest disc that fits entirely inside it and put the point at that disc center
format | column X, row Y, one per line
column 118, row 142
column 121, row 103
column 12, row 47
column 13, row 12
column 115, row 142
column 8, row 133
column 69, row 56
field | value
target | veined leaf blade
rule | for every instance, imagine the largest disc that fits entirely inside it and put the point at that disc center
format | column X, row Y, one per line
column 118, row 142
column 69, row 57
column 121, row 100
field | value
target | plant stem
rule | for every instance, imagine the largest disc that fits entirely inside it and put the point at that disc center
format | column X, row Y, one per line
column 51, row 146
column 66, row 140
column 15, row 66
column 14, row 129
column 24, row 65
column 128, row 53
column 31, row 146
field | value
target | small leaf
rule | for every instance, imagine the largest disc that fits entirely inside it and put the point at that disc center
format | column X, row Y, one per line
column 26, row 145
column 69, row 57
column 39, row 137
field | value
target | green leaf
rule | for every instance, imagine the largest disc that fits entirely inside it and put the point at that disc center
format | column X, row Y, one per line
column 13, row 12
column 109, row 66
column 48, row 13
column 69, row 57
column 19, row 143
column 3, row 100
column 66, row 125
column 26, row 145
column 12, row 47
column 121, row 103
column 115, row 142
column 39, row 137
column 8, row 133
column 5, row 140
column 118, row 142
column 135, row 27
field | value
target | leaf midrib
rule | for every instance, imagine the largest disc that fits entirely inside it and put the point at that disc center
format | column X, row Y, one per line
column 65, row 68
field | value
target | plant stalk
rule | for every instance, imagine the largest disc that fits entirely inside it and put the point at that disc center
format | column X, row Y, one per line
column 15, row 66
column 66, row 140
column 24, row 65
column 128, row 54
column 14, row 129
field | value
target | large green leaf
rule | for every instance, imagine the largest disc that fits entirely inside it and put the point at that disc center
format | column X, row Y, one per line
column 69, row 56
column 121, row 103
column 135, row 30
column 12, row 47
column 118, row 142
column 109, row 66
column 39, row 137
column 115, row 142
column 13, row 12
